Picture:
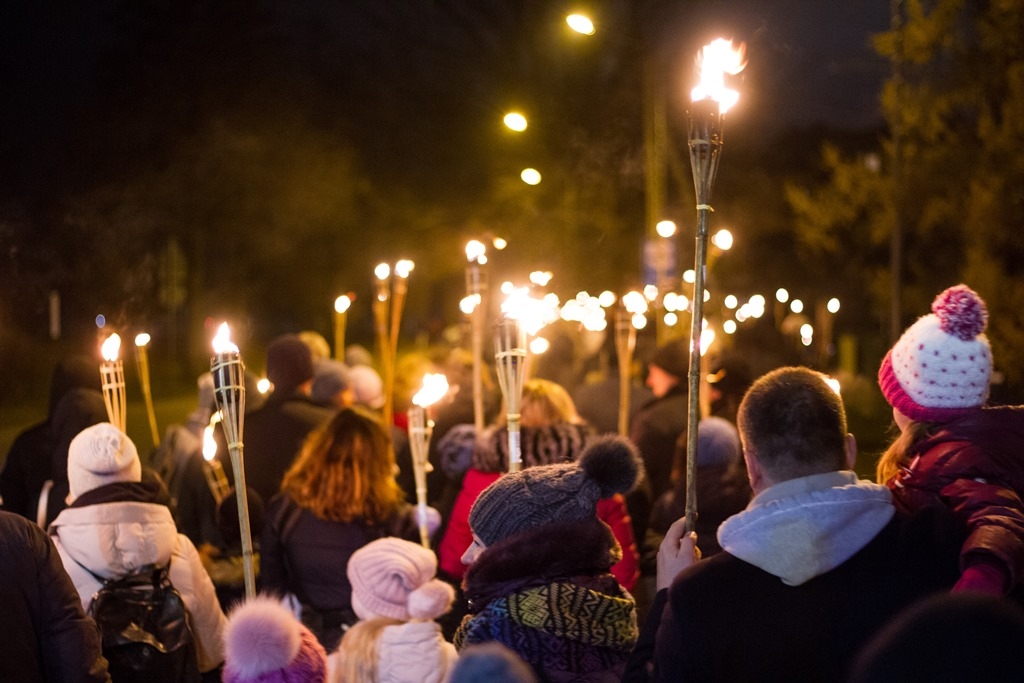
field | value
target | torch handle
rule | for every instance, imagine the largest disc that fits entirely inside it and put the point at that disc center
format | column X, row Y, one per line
column 421, row 514
column 242, row 497
column 515, row 452
column 693, row 412
column 147, row 394
column 216, row 480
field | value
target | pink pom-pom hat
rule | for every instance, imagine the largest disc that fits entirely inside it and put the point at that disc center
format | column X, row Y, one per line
column 940, row 368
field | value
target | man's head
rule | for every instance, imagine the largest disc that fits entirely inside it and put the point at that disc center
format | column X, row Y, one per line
column 668, row 367
column 289, row 365
column 793, row 424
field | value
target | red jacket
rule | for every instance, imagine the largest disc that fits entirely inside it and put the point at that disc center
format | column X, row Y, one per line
column 975, row 466
column 612, row 511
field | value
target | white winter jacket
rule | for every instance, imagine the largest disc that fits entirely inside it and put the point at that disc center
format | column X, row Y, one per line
column 115, row 539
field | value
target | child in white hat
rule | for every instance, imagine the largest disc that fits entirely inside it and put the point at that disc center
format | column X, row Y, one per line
column 953, row 449
column 396, row 597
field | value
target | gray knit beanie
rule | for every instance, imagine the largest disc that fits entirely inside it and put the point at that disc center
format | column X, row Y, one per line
column 547, row 494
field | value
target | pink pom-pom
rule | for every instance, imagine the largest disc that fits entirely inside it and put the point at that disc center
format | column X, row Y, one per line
column 431, row 600
column 961, row 312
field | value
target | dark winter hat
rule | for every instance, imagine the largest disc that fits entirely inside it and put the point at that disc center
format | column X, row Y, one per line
column 330, row 377
column 265, row 643
column 673, row 357
column 289, row 363
column 718, row 442
column 730, row 375
column 548, row 494
column 940, row 368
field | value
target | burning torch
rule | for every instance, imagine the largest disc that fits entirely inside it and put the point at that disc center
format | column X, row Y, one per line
column 711, row 99
column 112, row 376
column 229, row 390
column 435, row 386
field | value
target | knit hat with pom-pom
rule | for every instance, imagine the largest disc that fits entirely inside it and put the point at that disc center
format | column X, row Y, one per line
column 940, row 368
column 394, row 578
column 546, row 494
column 265, row 643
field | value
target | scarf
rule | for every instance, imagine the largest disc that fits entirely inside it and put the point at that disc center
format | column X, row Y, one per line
column 547, row 595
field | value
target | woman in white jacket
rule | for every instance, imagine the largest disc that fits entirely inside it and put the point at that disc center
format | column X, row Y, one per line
column 118, row 525
column 396, row 597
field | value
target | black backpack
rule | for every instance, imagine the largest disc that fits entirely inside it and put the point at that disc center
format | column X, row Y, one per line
column 145, row 629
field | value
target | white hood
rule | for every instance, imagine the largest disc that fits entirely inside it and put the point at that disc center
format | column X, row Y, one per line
column 114, row 539
column 804, row 527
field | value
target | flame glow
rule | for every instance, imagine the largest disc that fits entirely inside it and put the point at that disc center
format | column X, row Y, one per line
column 382, row 271
column 716, row 59
column 110, row 347
column 403, row 268
column 435, row 386
column 222, row 340
column 142, row 339
column 475, row 249
column 342, row 303
column 532, row 312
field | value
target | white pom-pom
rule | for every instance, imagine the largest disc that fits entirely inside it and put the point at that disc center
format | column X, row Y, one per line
column 261, row 635
column 431, row 600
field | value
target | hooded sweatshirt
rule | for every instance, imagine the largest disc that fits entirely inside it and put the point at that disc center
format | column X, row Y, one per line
column 811, row 569
column 805, row 527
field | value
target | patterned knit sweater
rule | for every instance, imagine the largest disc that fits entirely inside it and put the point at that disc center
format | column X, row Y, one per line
column 547, row 594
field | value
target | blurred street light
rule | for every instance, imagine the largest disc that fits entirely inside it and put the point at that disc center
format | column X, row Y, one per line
column 581, row 24
column 722, row 239
column 515, row 121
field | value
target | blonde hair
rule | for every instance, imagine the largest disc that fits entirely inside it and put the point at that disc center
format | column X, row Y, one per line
column 545, row 403
column 346, row 471
column 357, row 653
column 896, row 455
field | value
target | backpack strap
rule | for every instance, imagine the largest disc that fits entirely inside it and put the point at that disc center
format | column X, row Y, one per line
column 156, row 573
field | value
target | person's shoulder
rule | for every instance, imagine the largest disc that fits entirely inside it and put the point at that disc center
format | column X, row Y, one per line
column 13, row 526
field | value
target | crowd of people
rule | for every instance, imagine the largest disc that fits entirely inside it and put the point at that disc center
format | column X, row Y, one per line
column 580, row 566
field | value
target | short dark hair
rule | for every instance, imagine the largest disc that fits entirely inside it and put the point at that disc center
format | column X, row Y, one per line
column 794, row 423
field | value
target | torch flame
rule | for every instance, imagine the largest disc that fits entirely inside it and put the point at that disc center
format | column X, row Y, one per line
column 403, row 268
column 142, row 339
column 531, row 312
column 475, row 250
column 382, row 271
column 435, row 386
column 222, row 340
column 716, row 59
column 110, row 347
column 209, row 444
column 342, row 303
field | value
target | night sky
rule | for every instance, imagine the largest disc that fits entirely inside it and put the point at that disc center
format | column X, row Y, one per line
column 411, row 80
column 287, row 145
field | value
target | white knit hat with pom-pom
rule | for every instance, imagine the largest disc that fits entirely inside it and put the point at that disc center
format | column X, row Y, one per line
column 940, row 368
column 394, row 578
column 264, row 643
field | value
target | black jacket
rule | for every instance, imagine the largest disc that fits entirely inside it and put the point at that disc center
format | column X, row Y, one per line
column 273, row 436
column 727, row 620
column 44, row 634
column 303, row 554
